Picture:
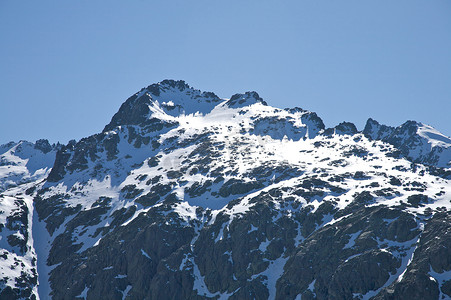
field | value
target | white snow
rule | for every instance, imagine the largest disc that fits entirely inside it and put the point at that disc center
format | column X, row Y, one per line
column 311, row 287
column 84, row 293
column 125, row 292
column 199, row 282
column 145, row 254
column 42, row 248
column 352, row 238
column 440, row 278
column 272, row 274
column 434, row 137
column 264, row 245
column 406, row 256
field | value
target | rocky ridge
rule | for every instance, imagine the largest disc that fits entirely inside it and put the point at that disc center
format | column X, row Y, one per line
column 185, row 195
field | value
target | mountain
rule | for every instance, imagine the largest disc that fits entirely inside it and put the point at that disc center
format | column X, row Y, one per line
column 418, row 142
column 23, row 166
column 185, row 195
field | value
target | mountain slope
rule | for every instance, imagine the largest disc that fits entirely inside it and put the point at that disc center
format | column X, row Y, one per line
column 188, row 196
column 418, row 142
column 22, row 166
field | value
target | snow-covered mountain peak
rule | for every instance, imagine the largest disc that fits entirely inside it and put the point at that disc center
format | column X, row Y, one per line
column 168, row 84
column 188, row 196
column 23, row 161
column 246, row 99
column 168, row 97
column 418, row 142
column 434, row 137
column 177, row 97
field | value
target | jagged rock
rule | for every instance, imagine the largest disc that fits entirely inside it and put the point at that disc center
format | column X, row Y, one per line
column 248, row 98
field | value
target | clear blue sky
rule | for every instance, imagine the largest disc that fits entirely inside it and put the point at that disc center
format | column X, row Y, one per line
column 66, row 66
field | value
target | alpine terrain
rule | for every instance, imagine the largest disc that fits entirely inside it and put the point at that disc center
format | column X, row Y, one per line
column 185, row 195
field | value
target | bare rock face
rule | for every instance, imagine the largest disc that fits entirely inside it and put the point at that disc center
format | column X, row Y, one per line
column 185, row 195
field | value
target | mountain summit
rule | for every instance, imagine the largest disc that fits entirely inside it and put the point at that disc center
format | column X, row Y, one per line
column 185, row 195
